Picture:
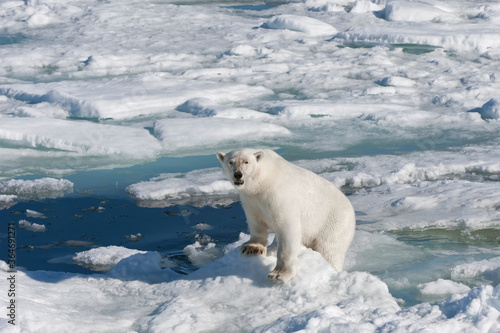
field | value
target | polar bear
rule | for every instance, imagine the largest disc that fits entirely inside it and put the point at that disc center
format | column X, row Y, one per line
column 299, row 206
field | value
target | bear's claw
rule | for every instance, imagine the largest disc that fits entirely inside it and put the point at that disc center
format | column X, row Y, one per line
column 253, row 249
column 280, row 276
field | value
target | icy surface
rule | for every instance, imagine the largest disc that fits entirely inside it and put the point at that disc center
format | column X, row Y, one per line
column 143, row 297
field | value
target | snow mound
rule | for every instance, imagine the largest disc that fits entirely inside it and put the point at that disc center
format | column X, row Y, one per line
column 490, row 109
column 180, row 133
column 79, row 136
column 103, row 258
column 303, row 24
column 36, row 189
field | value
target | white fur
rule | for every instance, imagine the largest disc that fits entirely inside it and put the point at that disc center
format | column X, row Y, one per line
column 299, row 206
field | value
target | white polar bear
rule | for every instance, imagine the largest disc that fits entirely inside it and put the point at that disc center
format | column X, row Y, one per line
column 299, row 206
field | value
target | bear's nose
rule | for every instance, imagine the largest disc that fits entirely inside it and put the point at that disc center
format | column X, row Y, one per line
column 238, row 175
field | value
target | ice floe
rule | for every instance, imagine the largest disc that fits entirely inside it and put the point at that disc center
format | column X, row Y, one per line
column 35, row 189
column 233, row 293
column 83, row 137
column 178, row 134
column 145, row 95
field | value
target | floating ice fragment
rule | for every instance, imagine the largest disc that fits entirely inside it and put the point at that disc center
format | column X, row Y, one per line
column 203, row 226
column 442, row 287
column 103, row 258
column 35, row 227
column 303, row 24
column 134, row 238
column 32, row 213
column 200, row 255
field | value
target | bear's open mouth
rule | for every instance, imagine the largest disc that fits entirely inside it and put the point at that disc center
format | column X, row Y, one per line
column 238, row 182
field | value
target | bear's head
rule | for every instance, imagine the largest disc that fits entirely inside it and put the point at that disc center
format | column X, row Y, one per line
column 240, row 166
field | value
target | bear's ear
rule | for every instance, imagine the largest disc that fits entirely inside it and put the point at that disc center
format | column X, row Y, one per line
column 259, row 155
column 221, row 156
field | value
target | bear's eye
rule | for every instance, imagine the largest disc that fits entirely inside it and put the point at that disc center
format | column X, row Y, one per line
column 231, row 162
column 246, row 162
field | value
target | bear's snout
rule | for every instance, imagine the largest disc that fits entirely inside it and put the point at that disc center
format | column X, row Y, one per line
column 237, row 178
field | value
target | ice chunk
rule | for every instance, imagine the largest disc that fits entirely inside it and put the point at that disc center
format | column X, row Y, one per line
column 35, row 214
column 36, row 189
column 442, row 287
column 35, row 227
column 303, row 24
column 488, row 268
column 179, row 133
column 103, row 258
column 127, row 97
column 80, row 136
column 200, row 255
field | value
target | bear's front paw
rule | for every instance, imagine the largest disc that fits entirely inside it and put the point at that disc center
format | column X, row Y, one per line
column 281, row 275
column 253, row 249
